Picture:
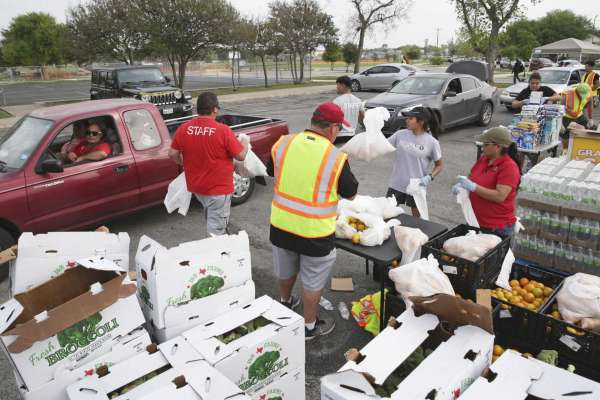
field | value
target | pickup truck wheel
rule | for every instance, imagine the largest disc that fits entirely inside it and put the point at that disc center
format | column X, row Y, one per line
column 242, row 189
column 6, row 240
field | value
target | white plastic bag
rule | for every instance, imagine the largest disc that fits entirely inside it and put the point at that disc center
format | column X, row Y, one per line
column 252, row 165
column 384, row 207
column 462, row 198
column 371, row 143
column 419, row 193
column 505, row 270
column 471, row 246
column 579, row 300
column 376, row 233
column 421, row 278
column 409, row 240
column 178, row 198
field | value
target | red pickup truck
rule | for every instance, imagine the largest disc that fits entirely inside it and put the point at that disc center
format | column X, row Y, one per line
column 40, row 194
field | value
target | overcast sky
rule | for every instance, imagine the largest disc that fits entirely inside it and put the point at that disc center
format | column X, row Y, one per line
column 424, row 18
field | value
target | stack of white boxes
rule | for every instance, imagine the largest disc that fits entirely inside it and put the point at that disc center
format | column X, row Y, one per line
column 74, row 308
column 186, row 285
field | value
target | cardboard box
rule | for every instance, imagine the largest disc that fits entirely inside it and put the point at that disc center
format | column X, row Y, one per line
column 515, row 377
column 69, row 320
column 179, row 319
column 288, row 386
column 256, row 359
column 127, row 346
column 45, row 256
column 445, row 373
column 585, row 145
column 190, row 272
column 181, row 374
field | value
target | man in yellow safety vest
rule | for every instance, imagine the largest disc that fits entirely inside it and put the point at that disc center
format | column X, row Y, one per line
column 575, row 101
column 311, row 175
column 591, row 77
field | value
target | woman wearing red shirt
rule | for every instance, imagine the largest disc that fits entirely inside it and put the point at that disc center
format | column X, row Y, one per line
column 93, row 148
column 493, row 182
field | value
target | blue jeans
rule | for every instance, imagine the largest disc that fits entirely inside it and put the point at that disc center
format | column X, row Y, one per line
column 505, row 232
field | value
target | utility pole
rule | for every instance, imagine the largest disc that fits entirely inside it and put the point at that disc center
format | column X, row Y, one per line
column 437, row 37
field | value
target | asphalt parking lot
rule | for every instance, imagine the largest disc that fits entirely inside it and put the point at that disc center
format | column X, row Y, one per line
column 326, row 354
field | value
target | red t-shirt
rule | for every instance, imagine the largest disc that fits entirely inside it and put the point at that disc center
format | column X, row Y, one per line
column 208, row 148
column 82, row 148
column 503, row 171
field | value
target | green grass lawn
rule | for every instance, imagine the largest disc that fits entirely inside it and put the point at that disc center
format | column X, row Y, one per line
column 250, row 89
column 5, row 114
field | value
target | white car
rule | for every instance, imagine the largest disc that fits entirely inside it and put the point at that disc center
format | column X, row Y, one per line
column 556, row 78
column 381, row 77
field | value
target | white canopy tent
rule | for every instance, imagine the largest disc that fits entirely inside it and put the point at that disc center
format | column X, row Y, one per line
column 568, row 48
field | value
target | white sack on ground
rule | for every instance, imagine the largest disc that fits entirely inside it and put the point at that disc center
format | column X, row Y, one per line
column 421, row 278
column 419, row 193
column 462, row 198
column 371, row 143
column 471, row 246
column 178, row 197
column 579, row 301
column 409, row 240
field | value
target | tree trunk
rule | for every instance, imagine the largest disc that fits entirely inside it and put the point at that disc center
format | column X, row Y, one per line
column 262, row 59
column 238, row 69
column 293, row 66
column 173, row 71
column 492, row 52
column 182, row 67
column 361, row 43
column 347, row 66
column 233, row 71
column 302, row 55
column 277, row 68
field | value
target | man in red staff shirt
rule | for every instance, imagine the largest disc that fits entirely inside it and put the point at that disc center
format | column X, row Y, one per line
column 206, row 149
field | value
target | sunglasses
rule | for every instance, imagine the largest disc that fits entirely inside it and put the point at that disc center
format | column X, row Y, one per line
column 93, row 133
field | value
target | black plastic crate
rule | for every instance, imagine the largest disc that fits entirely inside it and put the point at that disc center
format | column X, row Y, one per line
column 465, row 275
column 394, row 305
column 581, row 346
column 526, row 324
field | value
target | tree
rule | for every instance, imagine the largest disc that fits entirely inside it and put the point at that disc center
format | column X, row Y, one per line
column 482, row 21
column 183, row 30
column 301, row 26
column 108, row 29
column 519, row 39
column 349, row 53
column 332, row 53
column 411, row 51
column 33, row 39
column 261, row 42
column 562, row 24
column 372, row 12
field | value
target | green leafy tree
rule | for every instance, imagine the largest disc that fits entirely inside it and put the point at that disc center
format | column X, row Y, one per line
column 349, row 53
column 260, row 42
column 519, row 39
column 562, row 24
column 79, row 333
column 411, row 51
column 206, row 286
column 33, row 39
column 332, row 53
column 262, row 366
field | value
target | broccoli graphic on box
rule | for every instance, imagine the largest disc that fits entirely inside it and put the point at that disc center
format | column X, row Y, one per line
column 145, row 295
column 79, row 333
column 262, row 366
column 206, row 286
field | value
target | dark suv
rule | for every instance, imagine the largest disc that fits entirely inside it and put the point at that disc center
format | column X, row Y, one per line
column 146, row 83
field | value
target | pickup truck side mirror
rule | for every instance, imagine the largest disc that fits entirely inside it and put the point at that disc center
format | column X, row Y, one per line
column 49, row 165
column 450, row 93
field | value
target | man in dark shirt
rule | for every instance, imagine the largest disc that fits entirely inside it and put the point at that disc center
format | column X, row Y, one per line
column 535, row 85
column 303, row 226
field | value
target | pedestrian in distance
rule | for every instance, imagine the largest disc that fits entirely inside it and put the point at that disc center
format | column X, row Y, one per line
column 517, row 69
column 493, row 182
column 352, row 106
column 206, row 149
column 311, row 175
column 417, row 147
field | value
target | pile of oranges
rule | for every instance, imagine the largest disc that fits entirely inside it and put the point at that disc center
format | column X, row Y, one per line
column 525, row 293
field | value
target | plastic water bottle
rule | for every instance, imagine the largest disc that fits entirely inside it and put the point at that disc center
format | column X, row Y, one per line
column 584, row 231
column 564, row 227
column 545, row 222
column 559, row 255
column 326, row 304
column 554, row 224
column 343, row 309
column 595, row 230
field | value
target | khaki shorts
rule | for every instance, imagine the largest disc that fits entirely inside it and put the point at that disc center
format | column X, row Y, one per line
column 314, row 271
column 217, row 209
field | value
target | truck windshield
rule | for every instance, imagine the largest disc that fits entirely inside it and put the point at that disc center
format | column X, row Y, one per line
column 141, row 75
column 20, row 141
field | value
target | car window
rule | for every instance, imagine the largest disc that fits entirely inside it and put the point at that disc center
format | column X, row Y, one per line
column 390, row 70
column 574, row 78
column 141, row 75
column 422, row 85
column 467, row 84
column 554, row 76
column 454, row 86
column 376, row 70
column 143, row 131
column 94, row 76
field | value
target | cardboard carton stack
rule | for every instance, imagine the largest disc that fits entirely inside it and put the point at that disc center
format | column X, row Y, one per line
column 459, row 356
column 69, row 314
column 194, row 282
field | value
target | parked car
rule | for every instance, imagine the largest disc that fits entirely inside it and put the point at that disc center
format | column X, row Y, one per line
column 540, row 62
column 38, row 193
column 506, row 63
column 381, row 77
column 569, row 63
column 557, row 78
column 456, row 98
column 142, row 82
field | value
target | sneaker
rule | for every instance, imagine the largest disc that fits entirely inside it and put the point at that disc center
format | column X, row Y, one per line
column 292, row 304
column 322, row 327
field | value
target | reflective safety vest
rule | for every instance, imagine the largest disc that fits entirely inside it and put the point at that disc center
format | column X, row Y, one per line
column 307, row 168
column 589, row 79
column 574, row 105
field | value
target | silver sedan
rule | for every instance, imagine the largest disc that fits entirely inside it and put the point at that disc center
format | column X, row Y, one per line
column 381, row 77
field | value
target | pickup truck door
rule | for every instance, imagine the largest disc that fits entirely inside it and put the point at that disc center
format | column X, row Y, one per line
column 86, row 193
column 150, row 144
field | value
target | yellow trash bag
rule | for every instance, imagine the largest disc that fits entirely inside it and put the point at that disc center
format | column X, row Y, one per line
column 366, row 312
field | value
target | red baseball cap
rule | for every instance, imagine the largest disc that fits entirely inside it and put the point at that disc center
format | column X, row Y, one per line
column 330, row 112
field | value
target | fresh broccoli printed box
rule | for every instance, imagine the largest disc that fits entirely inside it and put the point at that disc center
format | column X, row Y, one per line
column 287, row 386
column 171, row 278
column 45, row 256
column 252, row 345
column 69, row 320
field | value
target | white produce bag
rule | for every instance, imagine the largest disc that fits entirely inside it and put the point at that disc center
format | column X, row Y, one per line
column 503, row 279
column 371, row 143
column 376, row 233
column 178, row 198
column 385, row 207
column 419, row 193
column 252, row 165
column 462, row 198
column 579, row 301
column 409, row 240
column 421, row 278
column 471, row 246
